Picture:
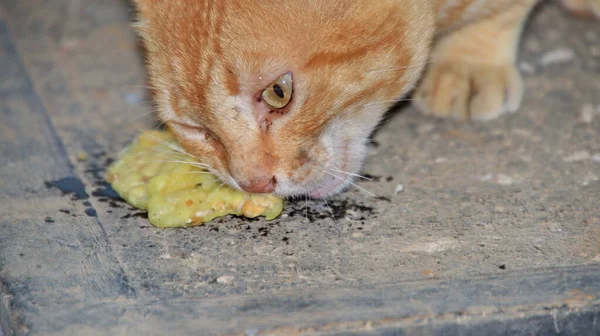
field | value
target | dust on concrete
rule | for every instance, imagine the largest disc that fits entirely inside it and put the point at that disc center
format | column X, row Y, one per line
column 453, row 199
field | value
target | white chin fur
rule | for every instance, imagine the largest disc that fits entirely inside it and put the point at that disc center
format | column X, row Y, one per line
column 345, row 143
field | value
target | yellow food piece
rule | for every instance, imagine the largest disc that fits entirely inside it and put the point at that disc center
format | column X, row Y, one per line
column 153, row 174
column 82, row 156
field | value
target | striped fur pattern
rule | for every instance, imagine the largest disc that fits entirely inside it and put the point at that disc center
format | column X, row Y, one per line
column 209, row 61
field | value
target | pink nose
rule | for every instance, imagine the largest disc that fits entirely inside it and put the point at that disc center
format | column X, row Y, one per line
column 261, row 186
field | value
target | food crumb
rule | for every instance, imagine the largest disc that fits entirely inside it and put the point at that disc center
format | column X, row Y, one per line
column 589, row 179
column 587, row 113
column 578, row 156
column 526, row 68
column 225, row 279
column 358, row 235
column 81, row 156
column 504, row 179
column 425, row 128
column 557, row 56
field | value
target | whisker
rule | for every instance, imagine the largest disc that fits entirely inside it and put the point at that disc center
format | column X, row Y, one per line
column 173, row 147
column 200, row 165
column 143, row 102
column 354, row 184
column 144, row 114
column 330, row 209
column 169, row 154
column 222, row 184
column 402, row 67
column 306, row 206
column 363, row 189
column 195, row 164
column 353, row 174
column 169, row 160
column 200, row 173
column 135, row 87
column 394, row 101
column 172, row 157
column 161, row 124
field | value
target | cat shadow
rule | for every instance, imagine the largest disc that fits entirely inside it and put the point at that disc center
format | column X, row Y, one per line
column 396, row 109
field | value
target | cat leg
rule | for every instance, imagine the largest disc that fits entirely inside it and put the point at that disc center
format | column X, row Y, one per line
column 472, row 74
column 583, row 7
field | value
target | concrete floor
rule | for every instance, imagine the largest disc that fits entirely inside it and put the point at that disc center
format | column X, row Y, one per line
column 511, row 198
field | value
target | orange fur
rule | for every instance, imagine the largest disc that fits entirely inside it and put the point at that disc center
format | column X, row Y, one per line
column 209, row 61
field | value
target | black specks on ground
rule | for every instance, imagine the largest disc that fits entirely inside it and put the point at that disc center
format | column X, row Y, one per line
column 336, row 209
column 248, row 219
column 49, row 220
column 31, row 191
column 263, row 231
column 74, row 187
column 104, row 190
column 114, row 204
column 502, row 267
column 140, row 214
column 96, row 170
column 371, row 178
column 69, row 185
column 91, row 212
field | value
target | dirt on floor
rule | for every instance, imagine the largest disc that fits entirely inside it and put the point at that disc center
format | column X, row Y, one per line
column 453, row 200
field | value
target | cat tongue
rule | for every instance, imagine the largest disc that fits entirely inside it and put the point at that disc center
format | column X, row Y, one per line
column 328, row 185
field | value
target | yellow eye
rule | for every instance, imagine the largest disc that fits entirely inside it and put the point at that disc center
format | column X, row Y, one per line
column 279, row 93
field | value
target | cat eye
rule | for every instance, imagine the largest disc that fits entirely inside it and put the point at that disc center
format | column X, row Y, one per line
column 279, row 93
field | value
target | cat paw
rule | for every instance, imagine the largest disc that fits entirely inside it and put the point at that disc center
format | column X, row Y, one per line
column 469, row 91
column 583, row 7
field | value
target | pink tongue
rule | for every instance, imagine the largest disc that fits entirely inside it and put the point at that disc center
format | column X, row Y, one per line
column 329, row 184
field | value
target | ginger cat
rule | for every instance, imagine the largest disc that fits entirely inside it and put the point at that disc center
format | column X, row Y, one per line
column 281, row 96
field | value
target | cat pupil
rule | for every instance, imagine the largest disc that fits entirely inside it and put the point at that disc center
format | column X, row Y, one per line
column 278, row 91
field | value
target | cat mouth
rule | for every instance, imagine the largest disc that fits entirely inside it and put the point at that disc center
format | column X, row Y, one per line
column 331, row 183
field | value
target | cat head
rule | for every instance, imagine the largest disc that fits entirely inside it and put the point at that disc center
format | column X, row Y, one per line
column 281, row 96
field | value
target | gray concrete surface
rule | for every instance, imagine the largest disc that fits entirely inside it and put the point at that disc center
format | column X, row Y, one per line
column 516, row 198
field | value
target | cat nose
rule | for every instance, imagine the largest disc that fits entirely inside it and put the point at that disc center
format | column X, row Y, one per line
column 260, row 186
